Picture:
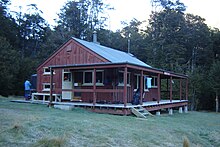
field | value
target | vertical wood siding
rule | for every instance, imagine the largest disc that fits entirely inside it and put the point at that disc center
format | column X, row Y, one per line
column 70, row 53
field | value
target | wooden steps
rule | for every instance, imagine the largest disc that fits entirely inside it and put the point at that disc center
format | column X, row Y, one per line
column 140, row 112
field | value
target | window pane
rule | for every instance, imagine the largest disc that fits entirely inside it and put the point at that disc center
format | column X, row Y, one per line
column 137, row 81
column 46, row 86
column 67, row 77
column 145, row 83
column 88, row 77
column 78, row 77
column 154, row 81
column 99, row 76
column 46, row 70
column 121, row 79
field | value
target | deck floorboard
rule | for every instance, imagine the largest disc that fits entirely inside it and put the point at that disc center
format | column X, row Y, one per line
column 129, row 105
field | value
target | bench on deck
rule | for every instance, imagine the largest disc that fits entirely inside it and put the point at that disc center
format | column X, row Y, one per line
column 35, row 96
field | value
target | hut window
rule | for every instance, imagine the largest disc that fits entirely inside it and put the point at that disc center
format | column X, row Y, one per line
column 138, row 81
column 46, row 86
column 150, row 82
column 121, row 78
column 67, row 77
column 78, row 78
column 154, row 82
column 88, row 78
column 99, row 77
column 47, row 71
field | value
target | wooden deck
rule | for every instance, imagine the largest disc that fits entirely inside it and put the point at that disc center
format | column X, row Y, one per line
column 116, row 108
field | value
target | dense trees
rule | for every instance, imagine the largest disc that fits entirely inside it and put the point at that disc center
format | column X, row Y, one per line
column 182, row 42
column 173, row 40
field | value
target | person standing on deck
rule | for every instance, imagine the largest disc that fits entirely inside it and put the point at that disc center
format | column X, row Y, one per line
column 27, row 89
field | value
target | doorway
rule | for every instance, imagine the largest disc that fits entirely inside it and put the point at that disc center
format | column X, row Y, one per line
column 67, row 85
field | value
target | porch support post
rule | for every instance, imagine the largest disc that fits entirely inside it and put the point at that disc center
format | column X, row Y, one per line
column 141, row 88
column 171, row 89
column 167, row 94
column 158, row 88
column 125, row 86
column 51, row 87
column 94, row 87
column 180, row 89
column 187, row 89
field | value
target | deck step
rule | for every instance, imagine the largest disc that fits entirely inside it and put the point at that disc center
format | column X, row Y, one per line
column 140, row 112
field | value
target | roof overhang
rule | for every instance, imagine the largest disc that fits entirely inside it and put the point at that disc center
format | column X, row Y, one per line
column 163, row 73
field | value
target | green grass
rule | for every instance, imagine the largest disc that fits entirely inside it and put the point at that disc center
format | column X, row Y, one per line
column 37, row 125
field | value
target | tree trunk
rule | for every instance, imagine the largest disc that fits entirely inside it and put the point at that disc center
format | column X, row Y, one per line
column 193, row 100
column 216, row 100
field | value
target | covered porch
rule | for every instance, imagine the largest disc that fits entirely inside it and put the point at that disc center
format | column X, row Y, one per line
column 108, row 85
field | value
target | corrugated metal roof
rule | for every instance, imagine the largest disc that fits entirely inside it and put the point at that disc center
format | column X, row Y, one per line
column 113, row 55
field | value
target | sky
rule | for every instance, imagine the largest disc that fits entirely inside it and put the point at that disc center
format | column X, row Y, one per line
column 126, row 10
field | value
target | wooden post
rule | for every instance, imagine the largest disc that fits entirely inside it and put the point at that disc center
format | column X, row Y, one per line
column 130, row 98
column 216, row 102
column 94, row 87
column 141, row 88
column 186, row 89
column 158, row 88
column 171, row 89
column 51, row 87
column 125, row 86
column 180, row 89
column 167, row 88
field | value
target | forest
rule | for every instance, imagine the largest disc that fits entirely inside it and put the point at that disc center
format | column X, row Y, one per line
column 172, row 40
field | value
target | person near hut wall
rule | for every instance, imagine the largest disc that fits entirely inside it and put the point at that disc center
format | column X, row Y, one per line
column 27, row 89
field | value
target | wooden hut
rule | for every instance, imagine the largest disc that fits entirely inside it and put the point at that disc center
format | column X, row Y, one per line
column 103, row 79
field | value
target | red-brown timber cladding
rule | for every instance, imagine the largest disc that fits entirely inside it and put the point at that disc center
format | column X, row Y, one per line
column 70, row 53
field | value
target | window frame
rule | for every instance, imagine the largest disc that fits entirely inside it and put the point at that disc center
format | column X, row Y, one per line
column 154, row 82
column 100, row 83
column 47, row 84
column 144, row 86
column 84, row 73
column 47, row 72
column 92, row 72
column 128, row 78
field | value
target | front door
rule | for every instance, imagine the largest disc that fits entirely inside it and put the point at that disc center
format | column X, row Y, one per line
column 67, row 85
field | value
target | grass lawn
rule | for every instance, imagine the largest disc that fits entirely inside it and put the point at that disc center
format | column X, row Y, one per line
column 37, row 125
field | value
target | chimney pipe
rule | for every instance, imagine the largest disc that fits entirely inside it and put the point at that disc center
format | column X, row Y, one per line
column 129, row 45
column 95, row 37
column 129, row 42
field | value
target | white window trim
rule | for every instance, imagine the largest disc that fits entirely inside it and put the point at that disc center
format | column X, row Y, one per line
column 87, row 84
column 91, row 84
column 138, row 75
column 47, row 89
column 128, row 79
column 100, row 83
column 47, row 73
column 155, row 81
column 64, row 77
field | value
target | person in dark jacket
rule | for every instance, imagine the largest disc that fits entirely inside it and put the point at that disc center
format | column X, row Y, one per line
column 136, row 97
